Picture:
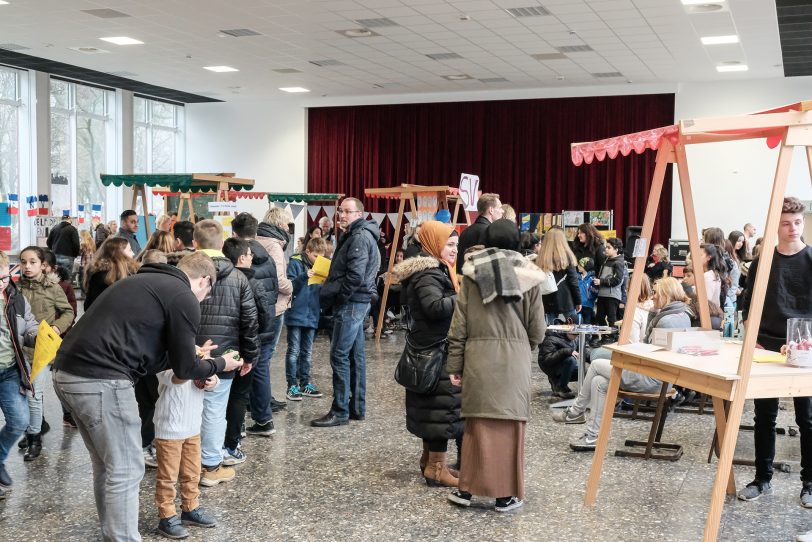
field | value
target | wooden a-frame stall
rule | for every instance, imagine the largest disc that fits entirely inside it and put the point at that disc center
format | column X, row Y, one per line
column 183, row 183
column 730, row 375
column 404, row 193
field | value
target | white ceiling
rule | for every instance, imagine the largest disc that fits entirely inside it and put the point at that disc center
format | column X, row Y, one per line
column 648, row 41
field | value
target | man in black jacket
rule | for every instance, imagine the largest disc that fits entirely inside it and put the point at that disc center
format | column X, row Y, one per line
column 245, row 227
column 64, row 242
column 105, row 353
column 348, row 291
column 128, row 229
column 229, row 319
column 490, row 209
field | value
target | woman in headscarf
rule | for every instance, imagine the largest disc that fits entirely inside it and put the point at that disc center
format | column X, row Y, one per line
column 429, row 283
column 498, row 320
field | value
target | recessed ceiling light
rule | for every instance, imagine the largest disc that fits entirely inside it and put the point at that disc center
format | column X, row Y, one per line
column 719, row 40
column 457, row 77
column 220, row 69
column 293, row 89
column 3, row 2
column 122, row 40
column 358, row 33
column 700, row 2
column 732, row 68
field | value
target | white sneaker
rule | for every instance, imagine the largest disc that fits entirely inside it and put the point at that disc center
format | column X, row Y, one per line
column 149, row 457
column 804, row 537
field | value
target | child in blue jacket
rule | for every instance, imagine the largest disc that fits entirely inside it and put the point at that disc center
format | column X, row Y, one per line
column 586, row 272
column 302, row 321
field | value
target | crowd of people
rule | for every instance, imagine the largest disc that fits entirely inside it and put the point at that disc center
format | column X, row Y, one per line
column 168, row 387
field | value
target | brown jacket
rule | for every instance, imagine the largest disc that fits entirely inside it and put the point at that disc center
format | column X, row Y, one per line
column 277, row 253
column 491, row 347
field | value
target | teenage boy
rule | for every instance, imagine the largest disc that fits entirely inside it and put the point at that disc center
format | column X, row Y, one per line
column 789, row 295
column 229, row 318
column 18, row 328
column 184, row 241
column 610, row 283
column 261, row 401
column 129, row 228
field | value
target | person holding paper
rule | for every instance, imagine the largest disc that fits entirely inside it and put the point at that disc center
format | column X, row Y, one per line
column 18, row 328
column 307, row 272
column 788, row 295
column 349, row 289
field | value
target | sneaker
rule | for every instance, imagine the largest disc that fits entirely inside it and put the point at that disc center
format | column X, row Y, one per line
column 369, row 330
column 149, row 457
column 172, row 528
column 806, row 495
column 568, row 417
column 565, row 393
column 68, row 421
column 803, row 537
column 754, row 490
column 506, row 504
column 311, row 391
column 5, row 479
column 276, row 406
column 261, row 429
column 243, row 432
column 585, row 443
column 460, row 498
column 233, row 457
column 198, row 517
column 294, row 393
column 218, row 475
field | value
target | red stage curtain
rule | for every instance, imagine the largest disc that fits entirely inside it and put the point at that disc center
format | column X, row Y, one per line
column 519, row 148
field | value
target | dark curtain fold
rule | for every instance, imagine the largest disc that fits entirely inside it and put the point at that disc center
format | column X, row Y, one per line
column 519, row 148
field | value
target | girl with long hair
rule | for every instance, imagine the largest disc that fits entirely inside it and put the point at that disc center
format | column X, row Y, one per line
column 112, row 262
column 555, row 257
column 589, row 242
column 159, row 240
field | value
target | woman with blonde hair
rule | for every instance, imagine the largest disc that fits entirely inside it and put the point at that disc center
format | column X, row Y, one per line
column 672, row 311
column 658, row 265
column 160, row 240
column 87, row 248
column 556, row 257
column 112, row 262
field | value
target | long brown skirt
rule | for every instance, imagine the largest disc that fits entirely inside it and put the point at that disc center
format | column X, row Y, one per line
column 493, row 458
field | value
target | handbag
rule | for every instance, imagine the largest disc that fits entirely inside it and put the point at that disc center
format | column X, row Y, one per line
column 419, row 369
column 548, row 285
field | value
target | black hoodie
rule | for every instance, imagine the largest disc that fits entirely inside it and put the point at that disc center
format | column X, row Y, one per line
column 354, row 267
column 142, row 325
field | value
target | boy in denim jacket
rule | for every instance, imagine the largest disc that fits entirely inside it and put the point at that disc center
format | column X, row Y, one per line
column 302, row 321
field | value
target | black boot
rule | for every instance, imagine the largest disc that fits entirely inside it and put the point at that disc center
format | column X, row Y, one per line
column 34, row 447
column 23, row 444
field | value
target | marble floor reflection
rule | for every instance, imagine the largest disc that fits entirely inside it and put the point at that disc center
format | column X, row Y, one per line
column 361, row 481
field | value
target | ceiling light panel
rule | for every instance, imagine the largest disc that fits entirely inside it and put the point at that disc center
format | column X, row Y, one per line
column 220, row 69
column 325, row 63
column 376, row 23
column 530, row 11
column 732, row 68
column 574, row 49
column 293, row 89
column 122, row 40
column 287, row 70
column 444, row 56
column 719, row 40
column 606, row 75
column 105, row 13
column 549, row 56
column 240, row 32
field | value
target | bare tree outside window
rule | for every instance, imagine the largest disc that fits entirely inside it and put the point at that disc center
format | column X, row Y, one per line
column 9, row 145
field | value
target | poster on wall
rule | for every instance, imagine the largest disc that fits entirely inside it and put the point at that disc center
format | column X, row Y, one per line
column 600, row 219
column 573, row 218
column 469, row 190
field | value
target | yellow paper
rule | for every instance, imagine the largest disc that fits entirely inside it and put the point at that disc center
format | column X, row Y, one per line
column 48, row 343
column 774, row 357
column 321, row 268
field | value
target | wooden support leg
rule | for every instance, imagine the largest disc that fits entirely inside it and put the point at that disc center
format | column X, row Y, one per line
column 603, row 438
column 720, row 412
column 388, row 281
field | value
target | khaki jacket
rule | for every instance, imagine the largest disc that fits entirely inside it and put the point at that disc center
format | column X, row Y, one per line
column 490, row 346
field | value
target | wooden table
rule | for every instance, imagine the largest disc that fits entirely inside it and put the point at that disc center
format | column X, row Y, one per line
column 716, row 376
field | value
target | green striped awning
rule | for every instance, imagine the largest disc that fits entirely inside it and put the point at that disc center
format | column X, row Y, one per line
column 293, row 197
column 179, row 182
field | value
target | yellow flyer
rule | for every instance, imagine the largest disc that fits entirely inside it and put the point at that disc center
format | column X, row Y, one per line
column 48, row 343
column 321, row 268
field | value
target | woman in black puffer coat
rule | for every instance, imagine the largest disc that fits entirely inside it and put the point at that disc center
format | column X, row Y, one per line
column 429, row 290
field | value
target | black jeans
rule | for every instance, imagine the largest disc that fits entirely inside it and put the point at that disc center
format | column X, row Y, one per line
column 607, row 311
column 561, row 373
column 146, row 395
column 442, row 445
column 764, row 436
column 235, row 411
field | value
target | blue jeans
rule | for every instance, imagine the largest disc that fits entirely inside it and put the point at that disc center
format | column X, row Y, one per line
column 15, row 410
column 348, row 361
column 66, row 262
column 213, row 426
column 35, row 402
column 300, row 351
column 261, row 385
column 106, row 414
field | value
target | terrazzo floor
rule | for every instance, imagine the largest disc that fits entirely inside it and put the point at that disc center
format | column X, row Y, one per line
column 361, row 481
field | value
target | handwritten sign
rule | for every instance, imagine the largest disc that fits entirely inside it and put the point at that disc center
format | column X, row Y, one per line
column 469, row 190
column 222, row 206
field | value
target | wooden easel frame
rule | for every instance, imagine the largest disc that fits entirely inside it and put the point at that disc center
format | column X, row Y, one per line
column 404, row 193
column 793, row 125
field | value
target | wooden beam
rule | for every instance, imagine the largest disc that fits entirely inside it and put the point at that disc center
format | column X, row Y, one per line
column 745, row 122
column 728, row 443
column 654, row 195
column 388, row 280
column 693, row 236
column 220, row 178
column 603, row 438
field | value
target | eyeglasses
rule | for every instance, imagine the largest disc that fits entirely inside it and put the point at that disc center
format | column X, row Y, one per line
column 346, row 211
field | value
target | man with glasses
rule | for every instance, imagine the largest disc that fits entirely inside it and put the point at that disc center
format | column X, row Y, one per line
column 347, row 293
column 104, row 354
column 18, row 328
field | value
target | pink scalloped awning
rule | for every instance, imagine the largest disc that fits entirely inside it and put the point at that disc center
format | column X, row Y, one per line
column 625, row 144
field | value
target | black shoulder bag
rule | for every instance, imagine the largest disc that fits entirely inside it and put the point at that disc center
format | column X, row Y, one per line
column 419, row 369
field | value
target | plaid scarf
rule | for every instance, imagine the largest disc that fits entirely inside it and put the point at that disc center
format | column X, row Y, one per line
column 495, row 274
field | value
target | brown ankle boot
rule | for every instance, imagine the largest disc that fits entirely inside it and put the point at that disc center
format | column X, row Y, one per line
column 424, row 458
column 436, row 472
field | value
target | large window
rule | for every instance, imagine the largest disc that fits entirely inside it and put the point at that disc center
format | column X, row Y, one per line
column 82, row 135
column 158, row 142
column 10, row 120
